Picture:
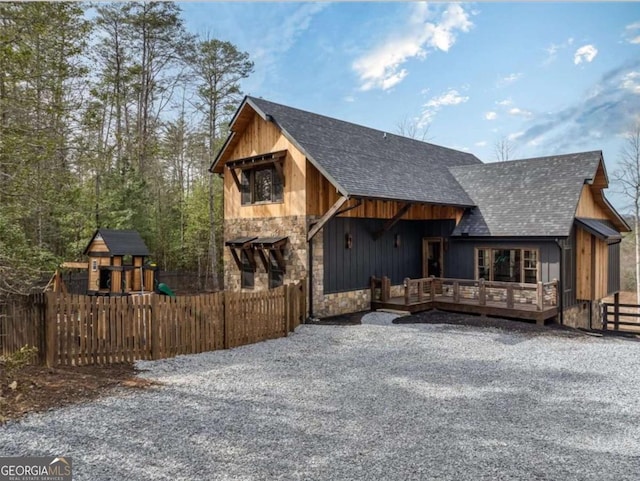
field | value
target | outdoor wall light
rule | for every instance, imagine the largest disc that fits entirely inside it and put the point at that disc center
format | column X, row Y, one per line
column 348, row 241
column 396, row 240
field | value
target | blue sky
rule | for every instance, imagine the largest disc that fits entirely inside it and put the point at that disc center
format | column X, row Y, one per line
column 550, row 77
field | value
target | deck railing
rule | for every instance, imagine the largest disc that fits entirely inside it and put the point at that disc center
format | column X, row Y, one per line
column 481, row 292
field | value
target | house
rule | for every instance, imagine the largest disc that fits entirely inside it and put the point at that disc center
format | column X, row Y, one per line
column 311, row 196
column 117, row 263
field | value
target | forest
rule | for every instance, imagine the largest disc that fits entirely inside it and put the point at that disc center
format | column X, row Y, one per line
column 110, row 116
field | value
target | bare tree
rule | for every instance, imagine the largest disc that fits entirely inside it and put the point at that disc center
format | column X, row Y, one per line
column 627, row 177
column 504, row 149
column 410, row 127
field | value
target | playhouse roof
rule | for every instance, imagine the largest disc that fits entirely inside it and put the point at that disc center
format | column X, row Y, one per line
column 120, row 242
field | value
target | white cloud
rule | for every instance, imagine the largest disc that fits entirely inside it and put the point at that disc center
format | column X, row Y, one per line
column 515, row 136
column 509, row 79
column 482, row 143
column 586, row 53
column 490, row 115
column 553, row 49
column 435, row 104
column 349, row 98
column 631, row 82
column 504, row 103
column 382, row 67
column 520, row 112
column 633, row 33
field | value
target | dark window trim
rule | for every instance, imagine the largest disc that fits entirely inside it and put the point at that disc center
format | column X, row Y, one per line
column 248, row 185
column 508, row 247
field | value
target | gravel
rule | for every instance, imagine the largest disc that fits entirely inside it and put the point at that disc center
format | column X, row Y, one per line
column 424, row 401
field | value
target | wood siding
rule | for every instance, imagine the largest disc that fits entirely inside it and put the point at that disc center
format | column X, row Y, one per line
column 98, row 245
column 589, row 207
column 261, row 137
column 94, row 276
column 321, row 195
column 592, row 266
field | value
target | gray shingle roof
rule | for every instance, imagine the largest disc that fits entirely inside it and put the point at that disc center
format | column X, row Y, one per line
column 366, row 162
column 122, row 242
column 530, row 197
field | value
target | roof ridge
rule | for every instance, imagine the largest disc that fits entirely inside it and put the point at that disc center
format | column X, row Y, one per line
column 383, row 132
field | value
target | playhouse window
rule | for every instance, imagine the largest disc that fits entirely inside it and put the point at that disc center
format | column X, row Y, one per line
column 94, row 265
column 261, row 185
column 507, row 265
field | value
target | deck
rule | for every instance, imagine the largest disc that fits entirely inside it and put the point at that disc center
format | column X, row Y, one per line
column 533, row 302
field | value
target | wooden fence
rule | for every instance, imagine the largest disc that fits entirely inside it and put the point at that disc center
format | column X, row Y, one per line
column 620, row 317
column 81, row 330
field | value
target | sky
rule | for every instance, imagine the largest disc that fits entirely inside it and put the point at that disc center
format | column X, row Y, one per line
column 550, row 78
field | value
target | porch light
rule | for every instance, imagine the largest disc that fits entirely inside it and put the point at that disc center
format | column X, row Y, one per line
column 348, row 241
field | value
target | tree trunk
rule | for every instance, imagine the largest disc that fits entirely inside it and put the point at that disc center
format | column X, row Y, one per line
column 636, row 234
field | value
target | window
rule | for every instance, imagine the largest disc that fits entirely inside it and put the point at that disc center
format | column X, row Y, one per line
column 276, row 275
column 94, row 265
column 261, row 186
column 507, row 265
column 247, row 272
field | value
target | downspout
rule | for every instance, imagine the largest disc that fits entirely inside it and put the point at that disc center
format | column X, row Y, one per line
column 310, row 273
column 560, row 292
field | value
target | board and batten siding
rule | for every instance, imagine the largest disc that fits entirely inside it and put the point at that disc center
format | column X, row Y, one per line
column 263, row 137
column 347, row 269
column 613, row 281
column 592, row 266
column 460, row 257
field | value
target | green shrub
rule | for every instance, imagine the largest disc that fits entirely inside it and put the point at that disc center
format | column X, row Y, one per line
column 20, row 358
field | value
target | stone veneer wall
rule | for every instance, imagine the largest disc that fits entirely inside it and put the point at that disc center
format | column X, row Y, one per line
column 499, row 294
column 295, row 254
column 578, row 316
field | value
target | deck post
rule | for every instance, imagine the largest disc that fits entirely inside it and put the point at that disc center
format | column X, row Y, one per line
column 433, row 289
column 385, row 290
column 605, row 317
column 420, row 289
column 482, row 292
column 539, row 296
column 407, row 283
column 510, row 297
column 456, row 292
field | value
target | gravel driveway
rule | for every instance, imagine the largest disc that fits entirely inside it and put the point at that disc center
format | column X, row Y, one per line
column 364, row 402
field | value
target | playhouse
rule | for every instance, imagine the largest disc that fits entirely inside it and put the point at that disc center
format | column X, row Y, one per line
column 117, row 263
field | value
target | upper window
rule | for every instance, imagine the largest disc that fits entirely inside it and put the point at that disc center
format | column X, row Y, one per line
column 507, row 265
column 261, row 186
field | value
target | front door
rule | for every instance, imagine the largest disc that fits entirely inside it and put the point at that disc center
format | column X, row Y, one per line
column 432, row 257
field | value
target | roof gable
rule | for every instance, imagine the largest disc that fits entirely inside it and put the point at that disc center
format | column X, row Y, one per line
column 529, row 197
column 363, row 162
column 120, row 242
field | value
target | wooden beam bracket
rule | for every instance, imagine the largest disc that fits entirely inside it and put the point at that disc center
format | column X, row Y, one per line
column 326, row 217
column 393, row 221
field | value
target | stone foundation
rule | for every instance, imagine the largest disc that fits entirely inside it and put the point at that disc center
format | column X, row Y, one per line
column 295, row 253
column 578, row 316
